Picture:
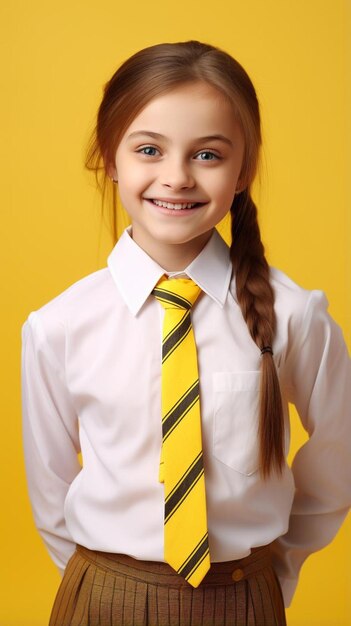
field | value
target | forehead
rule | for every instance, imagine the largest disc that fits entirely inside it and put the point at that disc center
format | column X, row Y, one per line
column 189, row 109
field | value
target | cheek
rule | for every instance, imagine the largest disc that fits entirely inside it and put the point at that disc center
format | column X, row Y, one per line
column 224, row 189
column 223, row 183
column 133, row 178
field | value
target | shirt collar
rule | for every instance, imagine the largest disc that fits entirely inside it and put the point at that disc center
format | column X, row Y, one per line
column 136, row 274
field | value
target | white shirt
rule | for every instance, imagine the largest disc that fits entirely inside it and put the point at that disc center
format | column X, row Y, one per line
column 91, row 369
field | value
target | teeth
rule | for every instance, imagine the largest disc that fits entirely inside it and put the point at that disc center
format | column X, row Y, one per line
column 176, row 207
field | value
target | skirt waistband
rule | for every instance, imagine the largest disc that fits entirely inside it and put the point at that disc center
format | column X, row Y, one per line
column 225, row 573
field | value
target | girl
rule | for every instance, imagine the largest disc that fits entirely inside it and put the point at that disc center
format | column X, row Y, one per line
column 172, row 520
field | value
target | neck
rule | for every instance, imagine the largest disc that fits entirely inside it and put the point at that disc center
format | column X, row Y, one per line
column 173, row 257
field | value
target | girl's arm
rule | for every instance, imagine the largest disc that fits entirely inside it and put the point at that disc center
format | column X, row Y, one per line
column 319, row 375
column 50, row 434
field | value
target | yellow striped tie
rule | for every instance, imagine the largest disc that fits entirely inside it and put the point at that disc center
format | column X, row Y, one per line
column 181, row 466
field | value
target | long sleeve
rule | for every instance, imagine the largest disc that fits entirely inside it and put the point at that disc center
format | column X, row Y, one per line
column 319, row 372
column 50, row 435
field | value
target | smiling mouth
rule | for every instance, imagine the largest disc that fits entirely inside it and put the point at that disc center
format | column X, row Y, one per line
column 176, row 206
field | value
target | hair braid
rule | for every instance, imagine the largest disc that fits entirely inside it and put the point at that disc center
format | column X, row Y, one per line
column 256, row 299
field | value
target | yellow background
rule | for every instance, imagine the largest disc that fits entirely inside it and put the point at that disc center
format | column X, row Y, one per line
column 55, row 58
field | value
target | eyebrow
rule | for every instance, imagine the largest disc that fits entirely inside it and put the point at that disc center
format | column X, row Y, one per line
column 149, row 133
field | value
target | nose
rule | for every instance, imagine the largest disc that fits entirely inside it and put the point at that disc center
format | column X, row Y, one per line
column 176, row 174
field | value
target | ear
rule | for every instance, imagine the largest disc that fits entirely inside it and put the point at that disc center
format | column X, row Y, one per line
column 110, row 167
column 112, row 172
column 241, row 184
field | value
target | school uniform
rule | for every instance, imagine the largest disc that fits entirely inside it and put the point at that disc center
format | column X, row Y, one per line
column 91, row 380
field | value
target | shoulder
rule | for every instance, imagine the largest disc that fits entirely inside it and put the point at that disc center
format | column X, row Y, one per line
column 86, row 291
column 302, row 315
column 85, row 299
column 293, row 299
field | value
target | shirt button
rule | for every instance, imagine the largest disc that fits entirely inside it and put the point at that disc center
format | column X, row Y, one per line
column 237, row 575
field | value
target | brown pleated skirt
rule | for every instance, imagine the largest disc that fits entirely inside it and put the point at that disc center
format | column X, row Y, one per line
column 103, row 589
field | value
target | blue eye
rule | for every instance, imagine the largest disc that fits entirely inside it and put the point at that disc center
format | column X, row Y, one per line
column 148, row 151
column 206, row 155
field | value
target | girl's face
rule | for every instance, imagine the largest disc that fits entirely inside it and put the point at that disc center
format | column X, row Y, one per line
column 178, row 167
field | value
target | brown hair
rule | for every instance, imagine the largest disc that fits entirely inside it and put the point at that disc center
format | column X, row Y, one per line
column 147, row 74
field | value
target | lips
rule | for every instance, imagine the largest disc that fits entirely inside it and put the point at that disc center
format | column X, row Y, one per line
column 175, row 206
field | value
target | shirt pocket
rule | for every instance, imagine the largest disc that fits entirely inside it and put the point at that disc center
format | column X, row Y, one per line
column 236, row 420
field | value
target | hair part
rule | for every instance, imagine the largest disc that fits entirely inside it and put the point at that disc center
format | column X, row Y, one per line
column 152, row 72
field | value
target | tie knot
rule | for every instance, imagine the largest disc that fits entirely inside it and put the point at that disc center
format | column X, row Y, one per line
column 176, row 293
